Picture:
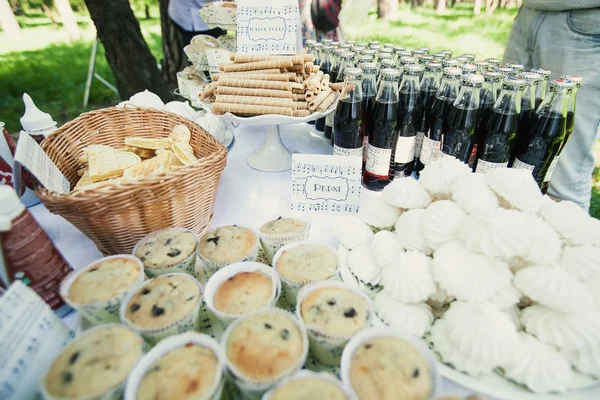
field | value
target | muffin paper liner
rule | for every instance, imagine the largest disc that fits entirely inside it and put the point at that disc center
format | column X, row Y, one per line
column 99, row 312
column 291, row 288
column 308, row 374
column 172, row 343
column 210, row 267
column 253, row 389
column 272, row 243
column 375, row 332
column 113, row 393
column 189, row 322
column 325, row 348
column 187, row 266
column 233, row 269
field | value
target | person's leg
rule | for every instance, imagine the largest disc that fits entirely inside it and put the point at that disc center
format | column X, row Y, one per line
column 519, row 47
column 569, row 43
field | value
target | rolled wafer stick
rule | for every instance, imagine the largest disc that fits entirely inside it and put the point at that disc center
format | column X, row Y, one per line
column 207, row 92
column 257, row 71
column 308, row 67
column 314, row 103
column 301, row 113
column 299, row 105
column 247, row 109
column 254, row 100
column 251, row 66
column 309, row 96
column 291, row 76
column 255, row 77
column 248, row 83
column 316, row 68
column 254, row 92
column 327, row 102
column 314, row 81
column 309, row 58
column 299, row 79
column 336, row 86
column 299, row 97
column 325, row 82
column 246, row 58
column 297, row 91
column 298, row 86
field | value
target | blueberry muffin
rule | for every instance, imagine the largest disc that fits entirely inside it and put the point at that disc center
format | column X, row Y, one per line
column 228, row 244
column 104, row 280
column 335, row 311
column 307, row 263
column 186, row 373
column 389, row 368
column 94, row 363
column 163, row 301
column 308, row 389
column 166, row 248
column 265, row 346
column 283, row 226
column 243, row 293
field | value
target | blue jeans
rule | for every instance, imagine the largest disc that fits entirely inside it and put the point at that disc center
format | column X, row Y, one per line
column 566, row 42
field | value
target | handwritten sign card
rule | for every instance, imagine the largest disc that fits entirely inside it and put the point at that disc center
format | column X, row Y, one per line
column 268, row 27
column 326, row 183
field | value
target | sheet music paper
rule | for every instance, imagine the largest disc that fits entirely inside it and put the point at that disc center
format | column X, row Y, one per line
column 322, row 183
column 216, row 57
column 268, row 27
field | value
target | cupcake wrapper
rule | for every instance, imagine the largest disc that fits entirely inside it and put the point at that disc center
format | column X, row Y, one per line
column 100, row 312
column 370, row 333
column 272, row 243
column 189, row 322
column 168, row 345
column 250, row 388
column 210, row 267
column 325, row 348
column 308, row 374
column 113, row 393
column 221, row 276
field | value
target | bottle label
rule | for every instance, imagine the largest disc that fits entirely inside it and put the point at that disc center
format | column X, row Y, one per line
column 329, row 119
column 483, row 167
column 378, row 161
column 518, row 164
column 419, row 143
column 342, row 151
column 405, row 149
column 548, row 175
column 430, row 150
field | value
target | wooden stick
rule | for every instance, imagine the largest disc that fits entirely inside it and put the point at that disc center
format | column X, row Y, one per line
column 255, row 77
column 329, row 100
column 247, row 83
column 245, row 109
column 254, row 92
column 314, row 104
column 255, row 100
column 252, row 66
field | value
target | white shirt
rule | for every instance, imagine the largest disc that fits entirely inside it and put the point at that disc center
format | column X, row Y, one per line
column 185, row 14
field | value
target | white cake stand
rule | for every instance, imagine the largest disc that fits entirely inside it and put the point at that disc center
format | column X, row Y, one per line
column 273, row 156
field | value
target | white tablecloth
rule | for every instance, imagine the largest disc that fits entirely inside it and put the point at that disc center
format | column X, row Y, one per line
column 245, row 197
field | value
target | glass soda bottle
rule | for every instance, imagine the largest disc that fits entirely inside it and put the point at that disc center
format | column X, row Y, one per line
column 429, row 86
column 425, row 50
column 487, row 98
column 410, row 111
column 439, row 57
column 438, row 114
column 416, row 53
column 378, row 171
column 346, row 62
column 501, row 129
column 468, row 69
column 504, row 70
column 449, row 62
column 548, row 135
column 470, row 57
column 349, row 116
column 528, row 117
column 373, row 43
column 461, row 60
column 458, row 139
column 318, row 52
column 385, row 64
column 336, row 61
column 326, row 62
column 481, row 66
column 398, row 50
column 577, row 81
column 515, row 68
column 448, row 53
column 369, row 86
column 494, row 62
column 542, row 87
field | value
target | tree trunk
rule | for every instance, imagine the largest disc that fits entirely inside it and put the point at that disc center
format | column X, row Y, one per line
column 174, row 59
column 477, row 7
column 440, row 6
column 387, row 9
column 128, row 55
column 8, row 22
column 147, row 10
column 49, row 13
column 491, row 6
column 68, row 18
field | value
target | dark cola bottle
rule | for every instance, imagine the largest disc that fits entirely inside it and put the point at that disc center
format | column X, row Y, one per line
column 378, row 171
column 410, row 111
column 348, row 134
column 449, row 62
column 369, row 86
column 482, row 66
column 515, row 69
column 548, row 135
column 501, row 129
column 336, row 61
column 318, row 53
column 542, row 87
column 326, row 60
column 468, row 69
column 347, row 61
column 459, row 136
column 577, row 81
column 528, row 117
column 487, row 98
column 428, row 87
column 438, row 114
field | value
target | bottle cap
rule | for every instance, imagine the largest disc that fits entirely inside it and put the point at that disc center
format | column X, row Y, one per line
column 352, row 42
column 433, row 67
column 439, row 57
column 390, row 74
column 468, row 68
column 408, row 60
column 494, row 61
column 403, row 53
column 399, row 48
column 425, row 49
column 310, row 42
column 375, row 47
column 530, row 77
column 318, row 45
column 339, row 52
column 388, row 63
column 385, row 56
column 345, row 46
column 358, row 49
column 446, row 52
column 468, row 56
column 326, row 42
column 386, row 50
column 513, row 83
column 412, row 69
column 578, row 80
column 348, row 55
column 328, row 48
column 365, row 58
column 11, row 206
column 462, row 60
column 515, row 66
column 417, row 52
column 561, row 84
column 449, row 62
column 335, row 44
column 504, row 70
column 363, row 44
column 452, row 72
column 388, row 46
column 489, row 75
column 369, row 52
column 368, row 67
column 34, row 119
column 482, row 64
column 545, row 73
column 353, row 73
column 473, row 80
column 425, row 59
column 373, row 43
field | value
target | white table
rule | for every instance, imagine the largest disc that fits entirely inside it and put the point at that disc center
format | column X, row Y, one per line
column 245, row 197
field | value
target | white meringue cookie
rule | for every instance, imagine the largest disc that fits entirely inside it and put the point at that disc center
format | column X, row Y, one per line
column 514, row 313
column 581, row 262
column 586, row 360
column 471, row 233
column 538, row 366
column 437, row 177
column 567, row 331
column 473, row 195
column 517, row 187
column 362, row 264
column 469, row 276
column 351, row 231
column 375, row 212
column 440, row 297
column 592, row 285
column 441, row 222
column 546, row 244
column 406, row 194
column 147, row 99
column 571, row 222
column 414, row 319
column 385, row 247
column 214, row 125
column 409, row 279
column 409, row 233
column 554, row 288
column 506, row 298
column 507, row 235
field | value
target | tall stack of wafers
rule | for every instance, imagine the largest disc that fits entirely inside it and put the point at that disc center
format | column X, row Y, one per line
column 258, row 85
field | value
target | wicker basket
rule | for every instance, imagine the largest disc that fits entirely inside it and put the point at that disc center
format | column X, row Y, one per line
column 116, row 217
